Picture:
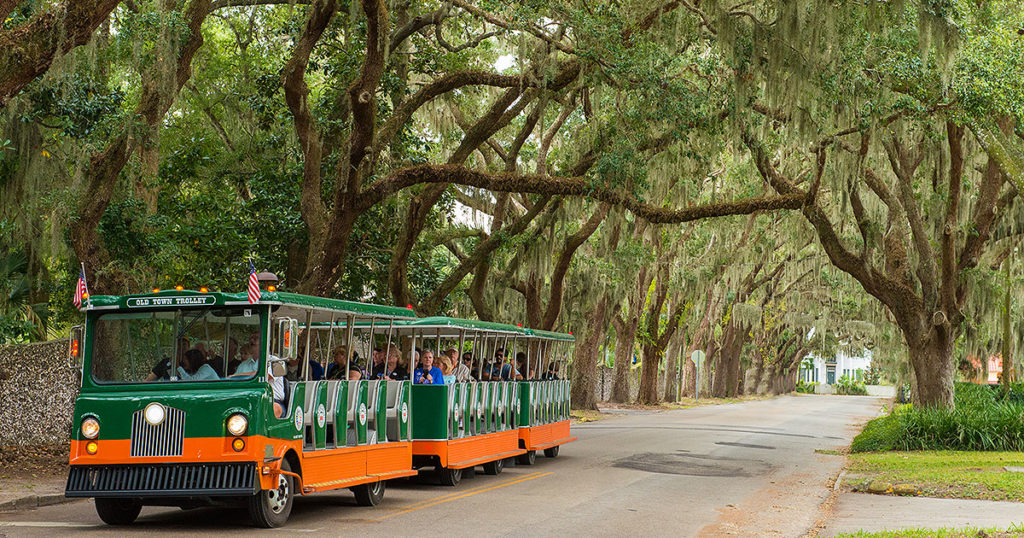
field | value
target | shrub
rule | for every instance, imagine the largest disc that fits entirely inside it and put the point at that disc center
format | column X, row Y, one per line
column 846, row 385
column 879, row 435
column 982, row 419
column 805, row 387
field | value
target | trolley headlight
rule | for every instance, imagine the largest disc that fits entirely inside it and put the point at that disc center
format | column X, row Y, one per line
column 155, row 414
column 90, row 428
column 237, row 424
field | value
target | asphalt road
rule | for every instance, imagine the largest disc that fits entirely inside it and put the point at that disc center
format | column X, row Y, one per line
column 760, row 468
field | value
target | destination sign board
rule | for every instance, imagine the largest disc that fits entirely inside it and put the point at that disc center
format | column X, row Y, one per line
column 153, row 302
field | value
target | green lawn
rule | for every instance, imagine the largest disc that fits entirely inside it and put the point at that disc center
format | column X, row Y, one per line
column 960, row 475
column 939, row 533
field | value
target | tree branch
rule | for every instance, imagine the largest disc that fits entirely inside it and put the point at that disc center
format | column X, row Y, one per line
column 568, row 186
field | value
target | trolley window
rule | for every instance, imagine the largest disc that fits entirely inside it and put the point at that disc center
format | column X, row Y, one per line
column 210, row 344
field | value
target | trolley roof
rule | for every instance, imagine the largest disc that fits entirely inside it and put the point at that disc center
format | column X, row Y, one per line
column 452, row 327
column 550, row 335
column 289, row 304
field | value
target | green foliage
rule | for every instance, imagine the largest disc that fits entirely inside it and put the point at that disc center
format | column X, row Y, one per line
column 982, row 419
column 850, row 386
column 805, row 387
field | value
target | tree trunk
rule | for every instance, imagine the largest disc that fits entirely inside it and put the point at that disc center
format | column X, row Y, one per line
column 933, row 369
column 727, row 371
column 672, row 369
column 707, row 370
column 625, row 338
column 585, row 371
column 648, row 392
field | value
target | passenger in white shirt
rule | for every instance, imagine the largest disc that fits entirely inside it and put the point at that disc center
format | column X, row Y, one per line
column 248, row 367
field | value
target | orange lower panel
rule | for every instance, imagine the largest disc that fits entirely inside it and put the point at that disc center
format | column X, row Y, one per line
column 470, row 451
column 349, row 466
column 545, row 436
column 321, row 470
column 193, row 450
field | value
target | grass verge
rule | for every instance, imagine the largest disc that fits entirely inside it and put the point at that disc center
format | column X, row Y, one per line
column 579, row 416
column 970, row 532
column 946, row 474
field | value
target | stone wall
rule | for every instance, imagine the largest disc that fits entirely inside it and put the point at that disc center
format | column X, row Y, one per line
column 37, row 393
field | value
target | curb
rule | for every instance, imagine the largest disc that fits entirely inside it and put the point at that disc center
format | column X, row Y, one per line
column 34, row 501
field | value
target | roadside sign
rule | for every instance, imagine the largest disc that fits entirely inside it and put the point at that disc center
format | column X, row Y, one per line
column 697, row 356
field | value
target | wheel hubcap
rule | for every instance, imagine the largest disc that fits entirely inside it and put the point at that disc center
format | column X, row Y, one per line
column 278, row 498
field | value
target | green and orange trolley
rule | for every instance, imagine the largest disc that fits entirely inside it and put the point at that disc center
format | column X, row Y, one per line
column 191, row 398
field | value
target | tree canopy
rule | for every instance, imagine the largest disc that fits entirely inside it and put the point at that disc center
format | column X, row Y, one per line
column 760, row 179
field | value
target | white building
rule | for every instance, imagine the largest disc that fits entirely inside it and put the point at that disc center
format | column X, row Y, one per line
column 828, row 370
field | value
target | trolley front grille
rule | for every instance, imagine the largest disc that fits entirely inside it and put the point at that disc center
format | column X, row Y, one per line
column 162, row 480
column 164, row 439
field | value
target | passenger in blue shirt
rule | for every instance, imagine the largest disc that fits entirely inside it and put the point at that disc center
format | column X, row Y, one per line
column 427, row 373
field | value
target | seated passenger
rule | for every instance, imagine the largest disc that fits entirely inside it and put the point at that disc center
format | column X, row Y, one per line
column 447, row 370
column 316, row 372
column 194, row 368
column 354, row 373
column 162, row 369
column 523, row 366
column 503, row 371
column 247, row 366
column 427, row 373
column 336, row 369
column 217, row 361
column 464, row 371
column 394, row 370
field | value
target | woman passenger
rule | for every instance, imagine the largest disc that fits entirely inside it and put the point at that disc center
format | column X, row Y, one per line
column 336, row 370
column 447, row 370
column 194, row 367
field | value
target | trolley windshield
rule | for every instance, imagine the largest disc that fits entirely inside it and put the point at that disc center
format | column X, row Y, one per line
column 210, row 345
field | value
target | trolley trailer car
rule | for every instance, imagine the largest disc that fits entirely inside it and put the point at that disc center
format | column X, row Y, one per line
column 193, row 398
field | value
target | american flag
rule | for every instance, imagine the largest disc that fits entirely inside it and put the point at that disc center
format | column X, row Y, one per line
column 254, row 284
column 81, row 289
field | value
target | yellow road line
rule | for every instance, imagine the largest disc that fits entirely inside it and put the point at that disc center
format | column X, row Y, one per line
column 454, row 497
column 453, row 494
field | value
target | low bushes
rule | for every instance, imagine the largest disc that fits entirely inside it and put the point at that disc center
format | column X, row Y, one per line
column 804, row 387
column 849, row 386
column 982, row 419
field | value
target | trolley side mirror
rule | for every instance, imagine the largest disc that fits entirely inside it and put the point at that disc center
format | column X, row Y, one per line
column 76, row 346
column 287, row 338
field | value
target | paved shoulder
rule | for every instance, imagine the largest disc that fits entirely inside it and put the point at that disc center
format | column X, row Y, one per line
column 872, row 513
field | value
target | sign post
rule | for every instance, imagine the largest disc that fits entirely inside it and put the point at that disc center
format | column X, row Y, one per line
column 697, row 357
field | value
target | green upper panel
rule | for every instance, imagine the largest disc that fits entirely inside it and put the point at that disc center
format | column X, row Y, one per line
column 549, row 335
column 467, row 324
column 188, row 298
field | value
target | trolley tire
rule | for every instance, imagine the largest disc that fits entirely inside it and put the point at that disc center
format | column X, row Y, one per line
column 551, row 452
column 370, row 494
column 527, row 459
column 449, row 476
column 494, row 467
column 270, row 508
column 118, row 511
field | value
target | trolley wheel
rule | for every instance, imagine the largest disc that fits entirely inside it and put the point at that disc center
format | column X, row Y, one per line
column 270, row 508
column 448, row 476
column 369, row 494
column 114, row 511
column 551, row 452
column 527, row 459
column 494, row 467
